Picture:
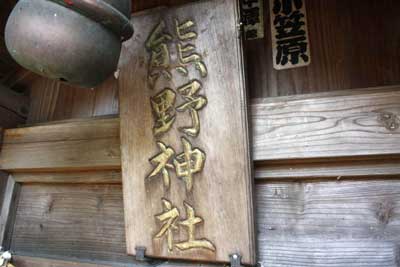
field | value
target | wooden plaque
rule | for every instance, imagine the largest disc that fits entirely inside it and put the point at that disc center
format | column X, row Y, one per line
column 289, row 34
column 184, row 135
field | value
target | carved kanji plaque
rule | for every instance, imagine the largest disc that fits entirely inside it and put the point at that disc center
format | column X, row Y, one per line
column 184, row 135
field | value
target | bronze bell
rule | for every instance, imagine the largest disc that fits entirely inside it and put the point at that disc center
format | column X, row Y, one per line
column 76, row 41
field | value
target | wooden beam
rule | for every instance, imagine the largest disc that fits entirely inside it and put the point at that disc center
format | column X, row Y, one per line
column 329, row 223
column 324, row 128
column 386, row 167
column 91, row 144
column 90, row 177
column 7, row 212
column 327, row 125
column 27, row 261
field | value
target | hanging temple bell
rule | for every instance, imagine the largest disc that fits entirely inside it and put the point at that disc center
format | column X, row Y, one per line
column 75, row 41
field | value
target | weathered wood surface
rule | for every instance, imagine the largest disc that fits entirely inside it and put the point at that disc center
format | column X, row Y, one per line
column 52, row 100
column 75, row 221
column 7, row 211
column 225, row 181
column 26, row 261
column 318, row 128
column 329, row 223
column 79, row 145
column 385, row 167
column 339, row 223
column 327, row 126
column 87, row 177
column 344, row 56
column 3, row 183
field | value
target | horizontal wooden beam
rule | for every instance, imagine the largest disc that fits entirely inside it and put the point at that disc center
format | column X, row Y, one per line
column 341, row 124
column 28, row 261
column 25, row 261
column 90, row 144
column 298, row 224
column 89, row 177
column 320, row 129
column 385, row 167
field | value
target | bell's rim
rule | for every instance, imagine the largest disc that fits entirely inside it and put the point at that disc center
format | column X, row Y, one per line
column 103, row 13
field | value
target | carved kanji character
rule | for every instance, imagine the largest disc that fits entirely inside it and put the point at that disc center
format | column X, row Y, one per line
column 286, row 6
column 184, row 31
column 190, row 223
column 251, row 16
column 159, row 63
column 193, row 103
column 162, row 105
column 169, row 216
column 188, row 163
column 157, row 37
column 161, row 161
column 291, row 39
column 187, row 54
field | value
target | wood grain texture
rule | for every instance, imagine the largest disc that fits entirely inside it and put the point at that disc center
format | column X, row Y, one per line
column 3, row 183
column 7, row 212
column 366, row 168
column 326, row 126
column 344, row 56
column 52, row 100
column 71, row 221
column 26, row 261
column 314, row 128
column 339, row 223
column 85, row 144
column 225, row 181
column 352, row 223
column 87, row 177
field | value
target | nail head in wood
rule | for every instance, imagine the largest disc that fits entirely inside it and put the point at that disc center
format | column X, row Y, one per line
column 235, row 260
column 140, row 252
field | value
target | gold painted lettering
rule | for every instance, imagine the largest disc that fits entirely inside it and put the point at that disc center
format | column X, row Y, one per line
column 190, row 223
column 163, row 110
column 162, row 164
column 188, row 163
column 169, row 216
column 183, row 30
column 193, row 103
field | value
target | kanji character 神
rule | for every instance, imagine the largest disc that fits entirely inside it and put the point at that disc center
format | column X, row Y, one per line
column 188, row 163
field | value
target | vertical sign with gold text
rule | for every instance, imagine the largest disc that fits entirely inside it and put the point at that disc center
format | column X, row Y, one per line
column 184, row 135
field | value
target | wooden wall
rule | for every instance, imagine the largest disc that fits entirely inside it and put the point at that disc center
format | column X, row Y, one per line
column 316, row 222
column 354, row 44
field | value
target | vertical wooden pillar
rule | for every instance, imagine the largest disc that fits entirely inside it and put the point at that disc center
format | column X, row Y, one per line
column 8, row 209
